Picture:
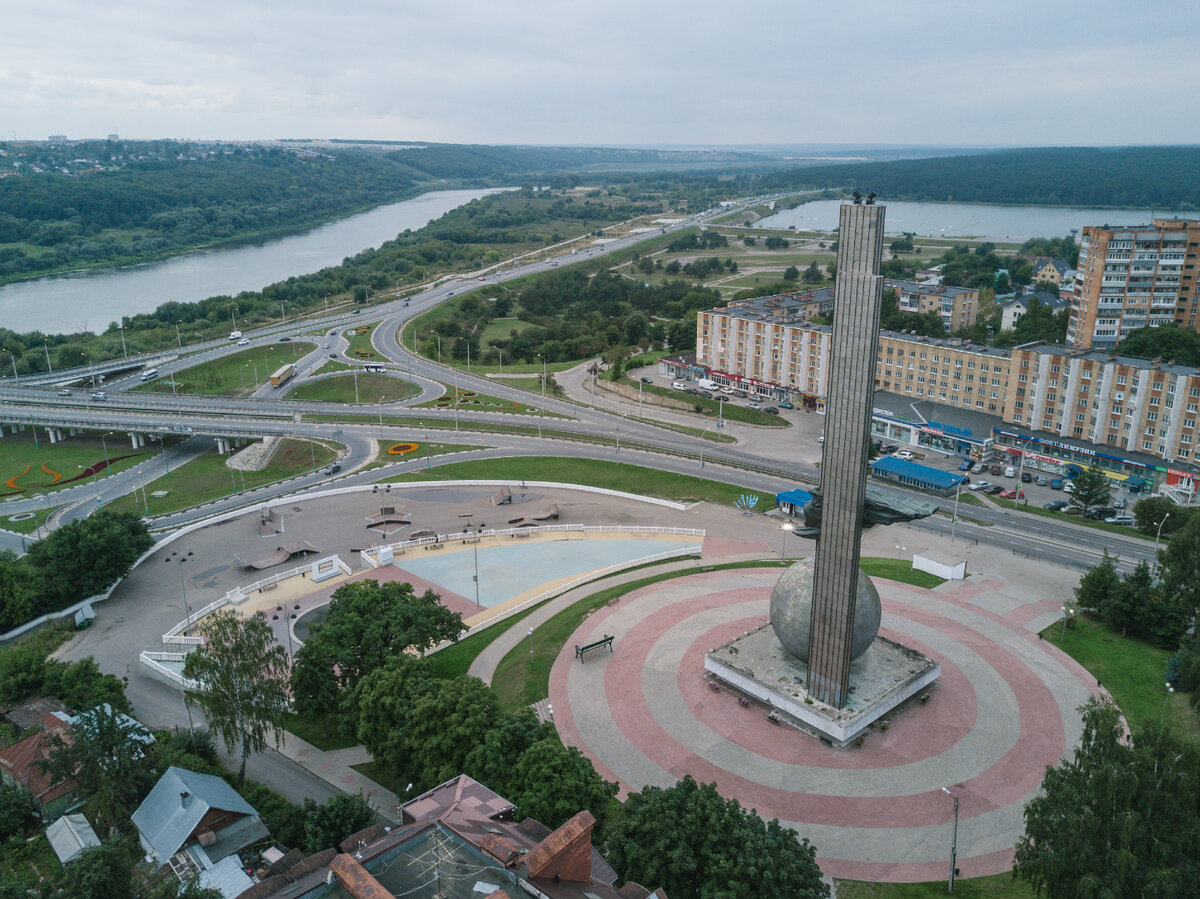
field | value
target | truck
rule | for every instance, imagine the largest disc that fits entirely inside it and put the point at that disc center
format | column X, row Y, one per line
column 235, row 335
column 283, row 375
column 706, row 384
column 149, row 374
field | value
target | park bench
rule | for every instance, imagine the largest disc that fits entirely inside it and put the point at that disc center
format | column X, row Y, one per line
column 598, row 644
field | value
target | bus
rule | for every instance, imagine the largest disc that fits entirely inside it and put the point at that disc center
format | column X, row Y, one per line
column 283, row 375
column 149, row 374
column 373, row 367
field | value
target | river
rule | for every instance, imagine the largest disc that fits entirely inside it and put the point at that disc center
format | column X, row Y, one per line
column 1013, row 224
column 91, row 300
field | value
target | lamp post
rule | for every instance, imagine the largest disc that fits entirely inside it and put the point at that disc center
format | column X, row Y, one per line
column 255, row 366
column 953, row 842
column 1069, row 612
column 954, row 520
column 542, row 411
column 1166, row 699
column 531, row 649
column 1157, row 534
column 501, row 352
column 46, row 347
column 428, row 452
column 380, row 418
column 899, row 550
column 356, row 386
column 641, row 384
column 785, row 527
column 180, row 559
column 478, row 529
column 124, row 354
column 14, row 365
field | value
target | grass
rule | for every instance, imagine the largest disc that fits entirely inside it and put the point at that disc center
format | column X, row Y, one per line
column 360, row 344
column 382, row 776
column 310, row 732
column 522, row 679
column 1074, row 519
column 23, row 865
column 367, row 387
column 208, row 478
column 903, row 572
column 609, row 475
column 22, row 456
column 997, row 886
column 1132, row 671
column 732, row 409
column 470, row 401
column 237, row 374
column 423, row 451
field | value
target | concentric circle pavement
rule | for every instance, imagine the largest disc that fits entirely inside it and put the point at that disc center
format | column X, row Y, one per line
column 1003, row 709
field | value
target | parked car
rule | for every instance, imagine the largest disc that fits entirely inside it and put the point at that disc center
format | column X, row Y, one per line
column 1126, row 520
column 647, row 380
column 770, row 410
column 1041, row 481
column 904, row 454
column 753, row 405
column 995, row 490
column 784, row 404
column 1026, row 477
column 1013, row 493
column 997, row 470
column 1056, row 484
column 66, row 391
column 981, row 485
column 1119, row 503
column 1010, row 472
column 1100, row 512
column 887, row 448
column 1056, row 505
column 979, row 468
column 1068, row 487
column 964, row 465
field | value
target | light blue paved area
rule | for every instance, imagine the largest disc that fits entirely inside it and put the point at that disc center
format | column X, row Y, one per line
column 515, row 568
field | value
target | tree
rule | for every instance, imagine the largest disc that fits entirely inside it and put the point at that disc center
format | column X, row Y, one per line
column 1179, row 566
column 695, row 845
column 490, row 761
column 106, row 757
column 15, row 810
column 326, row 825
column 111, row 870
column 1152, row 511
column 367, row 624
column 551, row 782
column 242, row 675
column 812, row 274
column 1097, row 585
column 1109, row 822
column 101, row 550
column 791, row 273
column 1092, row 489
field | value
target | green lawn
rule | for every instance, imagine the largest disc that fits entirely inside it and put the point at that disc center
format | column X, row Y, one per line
column 360, row 344
column 208, row 478
column 523, row 678
column 31, row 465
column 23, row 865
column 901, row 571
column 1132, row 671
column 469, row 401
column 370, row 388
column 237, row 374
column 998, row 886
column 609, row 475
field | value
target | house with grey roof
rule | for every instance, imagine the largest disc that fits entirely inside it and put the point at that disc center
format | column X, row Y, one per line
column 194, row 820
column 1015, row 309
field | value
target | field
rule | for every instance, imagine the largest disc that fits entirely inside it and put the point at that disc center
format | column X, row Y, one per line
column 208, row 478
column 238, row 374
column 365, row 388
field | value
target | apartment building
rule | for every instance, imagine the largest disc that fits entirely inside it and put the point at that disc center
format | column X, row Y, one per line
column 770, row 341
column 958, row 307
column 946, row 370
column 1134, row 277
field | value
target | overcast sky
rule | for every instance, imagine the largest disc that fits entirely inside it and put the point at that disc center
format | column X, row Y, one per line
column 618, row 72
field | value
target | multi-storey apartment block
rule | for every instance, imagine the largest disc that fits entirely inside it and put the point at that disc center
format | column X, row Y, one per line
column 948, row 370
column 1134, row 277
column 958, row 307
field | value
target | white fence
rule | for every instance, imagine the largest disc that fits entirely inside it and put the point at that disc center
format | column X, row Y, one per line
column 152, row 662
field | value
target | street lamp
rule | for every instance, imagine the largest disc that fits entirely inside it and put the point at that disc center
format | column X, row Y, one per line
column 542, row 411
column 785, row 527
column 954, row 520
column 1166, row 699
column 14, row 364
column 255, row 366
column 899, row 550
column 46, row 347
column 180, row 559
column 1157, row 534
column 531, row 649
column 1069, row 612
column 501, row 352
column 953, row 842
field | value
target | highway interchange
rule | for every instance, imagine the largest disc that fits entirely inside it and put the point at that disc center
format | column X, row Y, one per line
column 760, row 460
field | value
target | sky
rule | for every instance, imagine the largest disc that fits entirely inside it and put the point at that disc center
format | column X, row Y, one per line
column 623, row 72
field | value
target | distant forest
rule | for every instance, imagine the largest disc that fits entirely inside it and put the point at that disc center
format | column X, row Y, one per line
column 1162, row 177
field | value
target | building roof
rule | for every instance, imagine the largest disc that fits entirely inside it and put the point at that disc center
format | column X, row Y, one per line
column 940, row 290
column 26, row 714
column 782, row 308
column 22, row 761
column 70, row 835
column 226, row 877
column 180, row 799
column 933, row 477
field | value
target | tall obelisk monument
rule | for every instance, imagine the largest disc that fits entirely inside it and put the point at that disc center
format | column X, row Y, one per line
column 857, row 300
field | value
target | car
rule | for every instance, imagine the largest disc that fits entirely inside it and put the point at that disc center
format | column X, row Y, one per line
column 888, row 448
column 1119, row 503
column 1056, row 484
column 821, row 439
column 705, row 394
column 691, row 391
column 979, row 468
column 333, row 468
column 333, row 355
column 981, row 485
column 1068, row 487
column 333, row 333
column 285, row 340
column 726, row 390
column 1041, row 481
column 647, row 380
column 245, row 341
column 1013, row 493
column 770, row 410
column 997, row 470
column 964, row 465
column 1026, row 477
column 66, row 391
column 753, row 405
column 356, row 312
column 326, row 346
column 1126, row 520
column 1099, row 512
column 995, row 490
column 1010, row 472
column 784, row 404
column 1056, row 505
column 903, row 454
column 100, row 396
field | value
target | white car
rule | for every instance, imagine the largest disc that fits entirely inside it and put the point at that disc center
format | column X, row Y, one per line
column 1010, row 472
column 245, row 341
column 1068, row 487
column 979, row 485
column 903, row 454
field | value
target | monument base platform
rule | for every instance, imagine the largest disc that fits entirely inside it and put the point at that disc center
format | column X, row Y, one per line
column 881, row 679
